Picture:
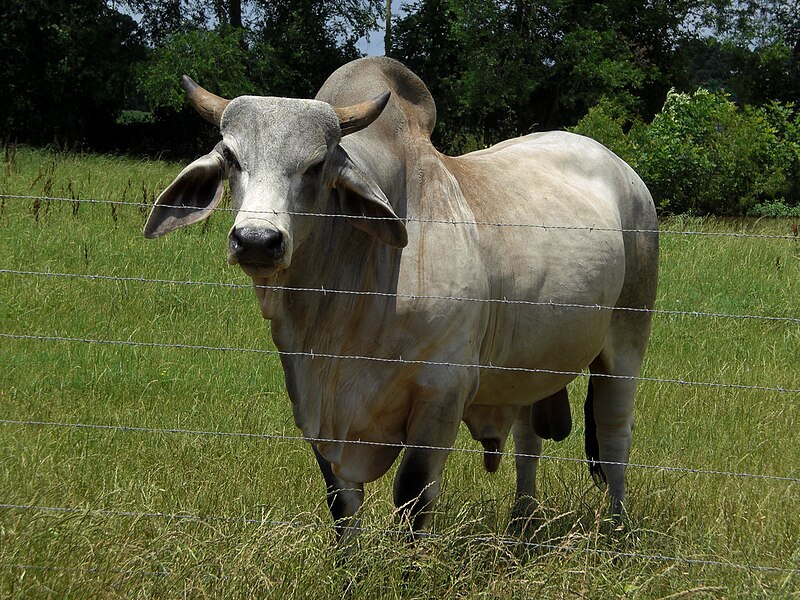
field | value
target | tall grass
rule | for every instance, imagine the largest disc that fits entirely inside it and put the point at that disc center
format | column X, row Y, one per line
column 168, row 513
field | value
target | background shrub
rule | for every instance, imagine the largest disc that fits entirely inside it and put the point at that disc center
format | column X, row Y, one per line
column 702, row 155
column 608, row 122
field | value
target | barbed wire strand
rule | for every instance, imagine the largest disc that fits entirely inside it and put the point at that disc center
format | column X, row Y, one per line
column 325, row 291
column 456, row 449
column 425, row 534
column 417, row 220
column 400, row 360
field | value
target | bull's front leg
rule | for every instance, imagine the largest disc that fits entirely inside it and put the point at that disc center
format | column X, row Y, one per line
column 344, row 500
column 431, row 433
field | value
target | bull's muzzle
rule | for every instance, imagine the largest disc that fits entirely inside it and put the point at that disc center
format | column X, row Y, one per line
column 256, row 248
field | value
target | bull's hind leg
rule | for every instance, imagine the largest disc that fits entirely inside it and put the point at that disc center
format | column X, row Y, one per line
column 612, row 387
column 548, row 418
column 613, row 415
column 344, row 500
column 528, row 447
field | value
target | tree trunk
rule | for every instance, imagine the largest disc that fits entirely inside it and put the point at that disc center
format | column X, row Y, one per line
column 387, row 38
column 235, row 13
column 794, row 70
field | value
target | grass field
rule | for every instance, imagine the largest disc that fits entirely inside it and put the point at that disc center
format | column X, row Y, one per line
column 155, row 505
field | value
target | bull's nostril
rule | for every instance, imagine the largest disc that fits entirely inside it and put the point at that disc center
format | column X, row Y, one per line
column 273, row 241
column 235, row 243
column 256, row 245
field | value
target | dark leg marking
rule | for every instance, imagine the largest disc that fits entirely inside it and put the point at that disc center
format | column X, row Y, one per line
column 591, row 444
column 413, row 488
column 337, row 490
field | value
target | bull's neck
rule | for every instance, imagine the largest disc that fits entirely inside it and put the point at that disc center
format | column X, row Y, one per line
column 336, row 288
column 345, row 273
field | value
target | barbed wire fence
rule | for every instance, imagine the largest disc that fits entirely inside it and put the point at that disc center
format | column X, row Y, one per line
column 543, row 226
column 788, row 479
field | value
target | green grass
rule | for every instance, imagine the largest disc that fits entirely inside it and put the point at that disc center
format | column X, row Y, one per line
column 256, row 521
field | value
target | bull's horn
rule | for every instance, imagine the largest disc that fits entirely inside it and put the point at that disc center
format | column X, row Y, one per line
column 356, row 117
column 210, row 106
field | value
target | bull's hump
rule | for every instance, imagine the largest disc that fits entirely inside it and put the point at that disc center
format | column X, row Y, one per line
column 365, row 78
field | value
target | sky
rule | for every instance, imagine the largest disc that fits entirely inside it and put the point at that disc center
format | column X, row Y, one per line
column 374, row 47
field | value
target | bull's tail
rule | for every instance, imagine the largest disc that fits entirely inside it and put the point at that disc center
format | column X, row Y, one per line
column 591, row 444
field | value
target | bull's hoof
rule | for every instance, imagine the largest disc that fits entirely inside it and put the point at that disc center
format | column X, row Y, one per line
column 526, row 518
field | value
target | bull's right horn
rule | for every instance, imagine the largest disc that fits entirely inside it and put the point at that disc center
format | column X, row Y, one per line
column 210, row 106
column 356, row 117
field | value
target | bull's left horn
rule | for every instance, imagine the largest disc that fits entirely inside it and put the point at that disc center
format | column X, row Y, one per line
column 210, row 106
column 357, row 117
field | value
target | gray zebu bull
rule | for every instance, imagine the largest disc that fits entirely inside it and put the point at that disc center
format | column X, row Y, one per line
column 432, row 235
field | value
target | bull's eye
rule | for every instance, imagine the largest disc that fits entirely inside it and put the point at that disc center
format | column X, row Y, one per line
column 314, row 169
column 313, row 165
column 230, row 158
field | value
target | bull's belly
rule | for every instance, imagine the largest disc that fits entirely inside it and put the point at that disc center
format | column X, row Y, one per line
column 528, row 359
column 518, row 389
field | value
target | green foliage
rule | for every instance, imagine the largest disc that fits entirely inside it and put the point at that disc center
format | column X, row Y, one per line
column 601, row 66
column 65, row 69
column 774, row 209
column 215, row 58
column 784, row 119
column 760, row 42
column 699, row 152
column 702, row 155
column 300, row 42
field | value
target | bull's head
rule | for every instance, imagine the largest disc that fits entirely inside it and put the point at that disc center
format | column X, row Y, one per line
column 283, row 159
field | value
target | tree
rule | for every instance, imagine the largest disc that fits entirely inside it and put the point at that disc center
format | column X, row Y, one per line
column 503, row 67
column 762, row 39
column 287, row 47
column 215, row 58
column 428, row 42
column 162, row 18
column 66, row 66
column 300, row 42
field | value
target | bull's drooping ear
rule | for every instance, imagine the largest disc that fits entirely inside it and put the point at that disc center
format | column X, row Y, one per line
column 363, row 200
column 195, row 192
